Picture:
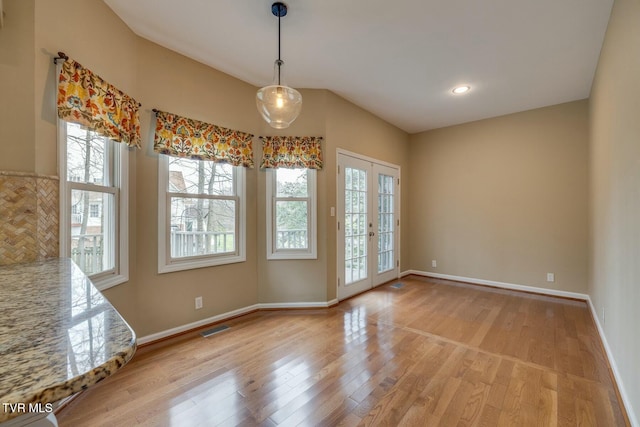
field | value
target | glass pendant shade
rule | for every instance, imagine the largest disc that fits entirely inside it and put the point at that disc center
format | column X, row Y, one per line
column 278, row 104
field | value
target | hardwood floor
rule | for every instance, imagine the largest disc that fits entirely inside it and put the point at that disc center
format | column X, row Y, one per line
column 431, row 353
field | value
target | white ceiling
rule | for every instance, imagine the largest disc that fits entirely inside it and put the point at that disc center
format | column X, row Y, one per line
column 397, row 59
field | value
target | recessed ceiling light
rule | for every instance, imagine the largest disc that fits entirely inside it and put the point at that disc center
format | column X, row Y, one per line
column 461, row 89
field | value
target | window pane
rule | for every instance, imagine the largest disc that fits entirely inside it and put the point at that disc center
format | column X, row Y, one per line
column 291, row 183
column 200, row 177
column 86, row 156
column 94, row 210
column 202, row 226
column 356, row 226
column 291, row 225
column 385, row 223
column 92, row 236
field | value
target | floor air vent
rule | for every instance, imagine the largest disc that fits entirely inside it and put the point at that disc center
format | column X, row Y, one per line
column 398, row 285
column 214, row 331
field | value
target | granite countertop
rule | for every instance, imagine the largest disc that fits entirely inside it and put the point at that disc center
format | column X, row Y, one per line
column 58, row 334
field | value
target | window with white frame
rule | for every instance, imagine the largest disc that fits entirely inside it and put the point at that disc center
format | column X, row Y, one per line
column 201, row 214
column 291, row 214
column 93, row 195
column 94, row 210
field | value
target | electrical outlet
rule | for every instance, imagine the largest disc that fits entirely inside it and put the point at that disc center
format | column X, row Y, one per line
column 198, row 303
column 551, row 277
column 434, row 263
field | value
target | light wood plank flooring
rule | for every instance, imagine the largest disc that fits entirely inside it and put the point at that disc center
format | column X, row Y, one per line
column 431, row 353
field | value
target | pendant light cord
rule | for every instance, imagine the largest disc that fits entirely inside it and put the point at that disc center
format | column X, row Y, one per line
column 279, row 60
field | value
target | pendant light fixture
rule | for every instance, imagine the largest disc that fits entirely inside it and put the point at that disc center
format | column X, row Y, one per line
column 279, row 104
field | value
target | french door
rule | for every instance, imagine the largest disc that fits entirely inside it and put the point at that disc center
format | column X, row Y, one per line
column 368, row 224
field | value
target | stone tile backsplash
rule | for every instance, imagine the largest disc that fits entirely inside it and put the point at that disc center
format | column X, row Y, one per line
column 29, row 220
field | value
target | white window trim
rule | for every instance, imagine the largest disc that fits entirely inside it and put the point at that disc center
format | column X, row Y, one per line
column 281, row 254
column 120, row 273
column 166, row 264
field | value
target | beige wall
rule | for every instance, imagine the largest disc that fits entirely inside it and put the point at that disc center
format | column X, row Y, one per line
column 504, row 199
column 614, row 279
column 16, row 87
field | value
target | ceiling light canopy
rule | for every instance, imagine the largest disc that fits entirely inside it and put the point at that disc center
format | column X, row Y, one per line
column 458, row 90
column 278, row 104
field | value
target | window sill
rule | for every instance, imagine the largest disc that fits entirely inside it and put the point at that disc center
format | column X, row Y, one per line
column 190, row 264
column 108, row 281
column 275, row 256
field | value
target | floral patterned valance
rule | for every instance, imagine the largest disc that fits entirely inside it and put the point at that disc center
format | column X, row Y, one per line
column 86, row 99
column 291, row 152
column 182, row 137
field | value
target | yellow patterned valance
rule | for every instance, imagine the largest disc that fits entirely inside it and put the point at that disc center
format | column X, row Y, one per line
column 84, row 98
column 182, row 137
column 291, row 152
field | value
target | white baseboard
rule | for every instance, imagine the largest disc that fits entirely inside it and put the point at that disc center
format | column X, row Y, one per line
column 231, row 314
column 616, row 373
column 177, row 330
column 502, row 285
column 405, row 273
column 285, row 305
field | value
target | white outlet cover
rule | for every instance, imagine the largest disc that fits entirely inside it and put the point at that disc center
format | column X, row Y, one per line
column 434, row 263
column 551, row 277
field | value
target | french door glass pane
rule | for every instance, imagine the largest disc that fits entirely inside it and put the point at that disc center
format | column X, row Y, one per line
column 92, row 216
column 355, row 237
column 202, row 226
column 385, row 223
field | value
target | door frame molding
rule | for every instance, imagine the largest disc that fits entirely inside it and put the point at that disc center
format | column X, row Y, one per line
column 366, row 159
column 341, row 151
